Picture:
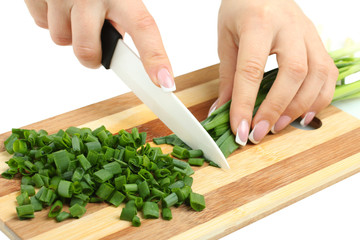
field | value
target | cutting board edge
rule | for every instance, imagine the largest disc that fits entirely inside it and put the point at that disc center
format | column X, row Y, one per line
column 283, row 205
column 8, row 232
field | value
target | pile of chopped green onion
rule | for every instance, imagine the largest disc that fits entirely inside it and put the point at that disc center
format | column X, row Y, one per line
column 218, row 123
column 80, row 166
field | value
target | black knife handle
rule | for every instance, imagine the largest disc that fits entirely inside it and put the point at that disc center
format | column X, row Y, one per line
column 109, row 39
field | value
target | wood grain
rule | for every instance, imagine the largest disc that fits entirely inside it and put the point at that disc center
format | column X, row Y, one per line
column 284, row 168
column 250, row 188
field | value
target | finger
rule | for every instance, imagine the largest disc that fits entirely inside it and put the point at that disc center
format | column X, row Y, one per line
column 38, row 10
column 254, row 48
column 227, row 51
column 141, row 26
column 59, row 21
column 87, row 19
column 319, row 63
column 292, row 61
column 324, row 98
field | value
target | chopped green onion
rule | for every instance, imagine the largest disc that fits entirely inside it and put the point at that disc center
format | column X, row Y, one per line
column 195, row 153
column 188, row 181
column 19, row 146
column 131, row 187
column 78, row 174
column 182, row 193
column 196, row 161
column 177, row 184
column 76, row 143
column 119, row 182
column 102, row 175
column 150, row 210
column 180, row 152
column 77, row 210
column 78, row 166
column 10, row 142
column 62, row 160
column 25, row 211
column 93, row 146
column 166, row 214
column 105, row 190
column 180, row 164
column 85, row 164
column 157, row 192
column 211, row 163
column 27, row 188
column 160, row 140
column 136, row 221
column 197, row 201
column 144, row 190
column 128, row 213
column 170, row 200
column 117, row 198
column 23, row 199
column 73, row 130
column 139, row 202
column 54, row 182
column 113, row 167
column 62, row 216
column 36, row 204
column 55, row 209
column 65, row 188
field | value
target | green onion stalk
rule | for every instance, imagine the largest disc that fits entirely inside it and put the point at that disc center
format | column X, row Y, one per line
column 218, row 123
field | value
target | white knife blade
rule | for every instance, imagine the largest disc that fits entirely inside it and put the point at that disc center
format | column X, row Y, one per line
column 170, row 110
column 117, row 56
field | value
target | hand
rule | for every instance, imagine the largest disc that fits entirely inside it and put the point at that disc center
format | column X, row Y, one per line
column 79, row 22
column 250, row 31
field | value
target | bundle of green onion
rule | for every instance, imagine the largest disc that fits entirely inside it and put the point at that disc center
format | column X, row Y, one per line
column 218, row 123
column 78, row 166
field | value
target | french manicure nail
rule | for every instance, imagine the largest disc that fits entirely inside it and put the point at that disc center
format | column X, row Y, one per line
column 166, row 81
column 213, row 107
column 281, row 123
column 242, row 133
column 307, row 119
column 259, row 131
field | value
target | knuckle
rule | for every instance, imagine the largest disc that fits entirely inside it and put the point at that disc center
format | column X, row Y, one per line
column 274, row 107
column 61, row 39
column 297, row 70
column 300, row 106
column 41, row 23
column 334, row 72
column 252, row 71
column 326, row 97
column 242, row 109
column 322, row 71
column 144, row 21
column 86, row 53
column 154, row 56
column 264, row 13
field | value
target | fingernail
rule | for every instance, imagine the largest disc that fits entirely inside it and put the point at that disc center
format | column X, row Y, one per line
column 213, row 107
column 281, row 123
column 259, row 131
column 166, row 81
column 242, row 133
column 307, row 119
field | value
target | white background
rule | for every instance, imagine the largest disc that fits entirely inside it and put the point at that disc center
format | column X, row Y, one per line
column 39, row 80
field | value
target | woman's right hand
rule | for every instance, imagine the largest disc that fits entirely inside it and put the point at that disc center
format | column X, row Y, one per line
column 79, row 22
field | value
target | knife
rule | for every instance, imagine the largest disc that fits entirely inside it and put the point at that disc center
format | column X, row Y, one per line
column 116, row 55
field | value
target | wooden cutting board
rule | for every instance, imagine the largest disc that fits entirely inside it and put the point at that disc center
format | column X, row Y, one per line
column 264, row 178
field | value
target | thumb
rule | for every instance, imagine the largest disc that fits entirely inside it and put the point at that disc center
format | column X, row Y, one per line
column 141, row 26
